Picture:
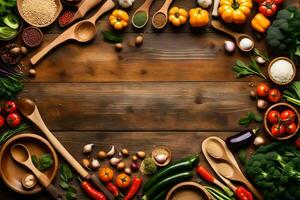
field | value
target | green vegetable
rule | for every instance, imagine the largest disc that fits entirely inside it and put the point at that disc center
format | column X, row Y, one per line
column 11, row 21
column 284, row 33
column 179, row 166
column 7, row 134
column 148, row 166
column 243, row 155
column 66, row 176
column 112, row 37
column 274, row 169
column 7, row 32
column 265, row 56
column 161, row 196
column 10, row 86
column 140, row 18
column 42, row 163
column 217, row 194
column 251, row 117
column 166, row 183
column 292, row 93
column 241, row 69
column 7, row 7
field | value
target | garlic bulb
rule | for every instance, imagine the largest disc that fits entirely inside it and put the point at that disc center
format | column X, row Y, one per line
column 87, row 148
column 95, row 164
column 229, row 46
column 204, row 3
column 125, row 3
column 111, row 151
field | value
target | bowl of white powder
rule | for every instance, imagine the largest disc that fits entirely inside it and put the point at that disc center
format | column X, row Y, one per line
column 282, row 70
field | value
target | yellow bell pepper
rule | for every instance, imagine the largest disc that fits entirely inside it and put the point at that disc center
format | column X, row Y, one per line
column 177, row 16
column 119, row 19
column 260, row 23
column 198, row 17
column 235, row 11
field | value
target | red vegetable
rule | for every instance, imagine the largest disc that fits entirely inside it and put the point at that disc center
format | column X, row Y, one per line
column 262, row 89
column 13, row 119
column 278, row 2
column 136, row 184
column 113, row 189
column 288, row 116
column 10, row 107
column 2, row 121
column 243, row 194
column 274, row 95
column 291, row 128
column 91, row 192
column 273, row 116
column 268, row 8
column 297, row 143
column 277, row 130
column 201, row 171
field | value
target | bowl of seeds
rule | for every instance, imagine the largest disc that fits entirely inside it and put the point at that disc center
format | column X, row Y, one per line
column 39, row 13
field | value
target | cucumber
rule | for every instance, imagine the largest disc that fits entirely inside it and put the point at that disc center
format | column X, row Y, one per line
column 179, row 166
column 161, row 196
column 12, row 21
column 166, row 183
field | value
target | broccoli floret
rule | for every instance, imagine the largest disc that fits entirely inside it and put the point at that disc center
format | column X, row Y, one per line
column 284, row 14
column 274, row 37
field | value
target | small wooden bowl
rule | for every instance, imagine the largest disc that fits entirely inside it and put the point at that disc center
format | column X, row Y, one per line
column 188, row 190
column 281, row 107
column 161, row 148
column 281, row 58
column 58, row 11
column 38, row 30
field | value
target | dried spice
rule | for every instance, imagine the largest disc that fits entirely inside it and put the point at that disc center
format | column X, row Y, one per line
column 159, row 20
column 140, row 19
column 65, row 18
column 32, row 36
column 8, row 57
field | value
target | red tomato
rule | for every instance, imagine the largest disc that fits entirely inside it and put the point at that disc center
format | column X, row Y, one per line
column 13, row 119
column 288, row 116
column 268, row 8
column 262, row 89
column 297, row 143
column 278, row 2
column 277, row 130
column 274, row 96
column 291, row 128
column 273, row 116
column 10, row 107
column 2, row 121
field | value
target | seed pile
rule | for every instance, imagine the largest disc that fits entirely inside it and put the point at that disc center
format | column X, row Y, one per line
column 39, row 12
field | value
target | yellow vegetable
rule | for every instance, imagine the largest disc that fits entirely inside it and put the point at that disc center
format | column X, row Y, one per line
column 177, row 16
column 119, row 19
column 260, row 23
column 198, row 17
column 235, row 11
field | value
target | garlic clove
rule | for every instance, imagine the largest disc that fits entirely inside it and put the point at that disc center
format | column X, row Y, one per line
column 161, row 158
column 141, row 154
column 111, row 151
column 87, row 148
column 95, row 164
column 229, row 46
column 127, row 170
column 125, row 152
column 260, row 60
column 115, row 161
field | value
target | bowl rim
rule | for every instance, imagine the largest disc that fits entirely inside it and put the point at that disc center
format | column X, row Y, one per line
column 282, row 58
column 266, row 120
column 36, row 28
column 167, row 161
column 45, row 142
column 58, row 11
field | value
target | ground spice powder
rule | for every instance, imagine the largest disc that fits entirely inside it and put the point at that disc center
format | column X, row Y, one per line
column 140, row 19
column 160, row 20
column 32, row 36
column 66, row 17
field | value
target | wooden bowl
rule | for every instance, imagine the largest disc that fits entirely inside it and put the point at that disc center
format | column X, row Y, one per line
column 281, row 58
column 163, row 148
column 12, row 172
column 58, row 11
column 281, row 107
column 188, row 190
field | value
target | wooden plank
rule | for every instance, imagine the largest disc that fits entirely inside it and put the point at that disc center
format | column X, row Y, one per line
column 142, row 106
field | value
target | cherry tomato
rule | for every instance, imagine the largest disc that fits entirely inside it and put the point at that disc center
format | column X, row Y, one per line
column 288, row 116
column 274, row 96
column 262, row 89
column 297, row 143
column 291, row 128
column 273, row 116
column 10, row 107
column 2, row 121
column 277, row 130
column 13, row 119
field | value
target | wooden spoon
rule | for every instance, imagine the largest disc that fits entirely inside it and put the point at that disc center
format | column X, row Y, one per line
column 163, row 11
column 29, row 109
column 215, row 8
column 83, row 8
column 21, row 154
column 144, row 8
column 237, row 36
column 82, row 31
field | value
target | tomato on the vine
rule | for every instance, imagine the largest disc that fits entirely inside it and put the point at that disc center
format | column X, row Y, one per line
column 268, row 8
column 287, row 116
column 274, row 95
column 273, row 116
column 291, row 128
column 13, row 119
column 2, row 121
column 10, row 107
column 277, row 130
column 262, row 89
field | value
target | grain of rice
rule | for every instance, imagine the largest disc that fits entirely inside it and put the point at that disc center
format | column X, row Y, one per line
column 39, row 12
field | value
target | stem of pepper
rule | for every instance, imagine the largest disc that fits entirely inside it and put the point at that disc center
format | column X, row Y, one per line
column 235, row 5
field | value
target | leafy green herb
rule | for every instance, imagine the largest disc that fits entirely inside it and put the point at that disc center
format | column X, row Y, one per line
column 242, row 69
column 66, row 176
column 112, row 37
column 42, row 163
column 292, row 93
column 7, row 7
column 265, row 56
column 7, row 134
column 10, row 86
column 251, row 117
column 242, row 154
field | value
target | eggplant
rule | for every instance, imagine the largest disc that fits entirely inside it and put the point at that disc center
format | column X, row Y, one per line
column 241, row 139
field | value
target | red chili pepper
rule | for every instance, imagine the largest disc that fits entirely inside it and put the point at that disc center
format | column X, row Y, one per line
column 136, row 184
column 113, row 189
column 243, row 194
column 201, row 171
column 91, row 192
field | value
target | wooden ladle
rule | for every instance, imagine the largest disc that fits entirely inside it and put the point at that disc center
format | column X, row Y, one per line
column 163, row 11
column 237, row 36
column 143, row 9
column 82, row 31
column 29, row 109
column 21, row 154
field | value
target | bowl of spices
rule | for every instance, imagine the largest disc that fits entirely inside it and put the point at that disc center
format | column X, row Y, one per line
column 282, row 70
column 65, row 18
column 140, row 19
column 39, row 13
column 32, row 36
column 161, row 155
column 159, row 20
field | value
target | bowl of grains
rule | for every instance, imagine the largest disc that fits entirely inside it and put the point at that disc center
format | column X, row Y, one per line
column 39, row 13
column 282, row 70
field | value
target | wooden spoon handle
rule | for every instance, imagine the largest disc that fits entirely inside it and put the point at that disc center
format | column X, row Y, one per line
column 55, row 193
column 215, row 8
column 85, row 7
column 107, row 6
column 255, row 192
column 145, row 7
column 217, row 25
column 165, row 7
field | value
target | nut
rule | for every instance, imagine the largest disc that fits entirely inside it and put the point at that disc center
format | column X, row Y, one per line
column 134, row 158
column 125, row 152
column 127, row 170
column 141, row 154
column 32, row 72
column 24, row 50
column 101, row 155
column 139, row 40
column 118, row 46
column 121, row 166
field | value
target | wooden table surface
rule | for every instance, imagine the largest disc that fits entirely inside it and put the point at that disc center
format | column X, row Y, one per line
column 175, row 90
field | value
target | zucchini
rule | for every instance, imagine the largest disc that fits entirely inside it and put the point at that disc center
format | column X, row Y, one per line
column 166, row 183
column 179, row 166
column 161, row 196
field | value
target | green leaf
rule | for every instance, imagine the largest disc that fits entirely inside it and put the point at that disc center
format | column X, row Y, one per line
column 258, row 118
column 35, row 161
column 112, row 37
column 72, row 189
column 64, row 185
column 241, row 69
column 251, row 117
column 71, row 196
column 243, row 155
column 45, row 162
column 65, row 172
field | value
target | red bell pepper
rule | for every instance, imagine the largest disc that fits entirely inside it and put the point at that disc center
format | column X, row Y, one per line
column 268, row 8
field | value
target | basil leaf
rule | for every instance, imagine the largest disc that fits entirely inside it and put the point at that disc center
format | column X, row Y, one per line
column 35, row 161
column 64, row 185
column 65, row 172
column 112, row 37
column 70, row 196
